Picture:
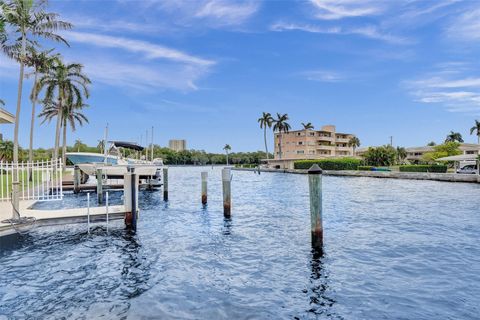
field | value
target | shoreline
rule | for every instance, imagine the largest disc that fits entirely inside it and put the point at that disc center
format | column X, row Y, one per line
column 445, row 177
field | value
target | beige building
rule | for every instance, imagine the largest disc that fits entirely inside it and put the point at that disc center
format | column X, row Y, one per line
column 5, row 117
column 177, row 145
column 310, row 144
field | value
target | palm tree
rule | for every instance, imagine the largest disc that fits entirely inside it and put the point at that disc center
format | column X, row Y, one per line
column 307, row 126
column 454, row 136
column 265, row 121
column 354, row 142
column 401, row 154
column 101, row 145
column 27, row 19
column 476, row 128
column 281, row 126
column 6, row 150
column 227, row 148
column 431, row 144
column 40, row 62
column 2, row 103
column 68, row 85
column 70, row 115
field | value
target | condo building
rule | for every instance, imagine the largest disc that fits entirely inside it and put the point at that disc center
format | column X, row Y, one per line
column 177, row 145
column 310, row 144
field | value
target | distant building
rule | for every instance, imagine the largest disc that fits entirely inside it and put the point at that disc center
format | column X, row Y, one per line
column 5, row 117
column 310, row 144
column 177, row 145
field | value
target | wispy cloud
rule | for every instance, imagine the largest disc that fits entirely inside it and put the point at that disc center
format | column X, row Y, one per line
column 112, row 25
column 369, row 31
column 449, row 86
column 323, row 76
column 466, row 26
column 339, row 9
column 150, row 50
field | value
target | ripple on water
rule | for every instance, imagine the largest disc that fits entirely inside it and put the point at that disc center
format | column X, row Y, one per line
column 394, row 249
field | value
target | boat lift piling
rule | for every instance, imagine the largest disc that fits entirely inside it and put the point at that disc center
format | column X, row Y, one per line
column 76, row 179
column 130, row 199
column 227, row 192
column 165, row 184
column 99, row 185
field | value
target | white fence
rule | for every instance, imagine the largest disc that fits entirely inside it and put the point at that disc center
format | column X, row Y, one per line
column 38, row 180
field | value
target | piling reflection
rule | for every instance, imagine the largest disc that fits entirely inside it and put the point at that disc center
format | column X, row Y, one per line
column 227, row 226
column 320, row 303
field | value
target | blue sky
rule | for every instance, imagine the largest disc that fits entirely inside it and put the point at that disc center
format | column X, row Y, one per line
column 205, row 70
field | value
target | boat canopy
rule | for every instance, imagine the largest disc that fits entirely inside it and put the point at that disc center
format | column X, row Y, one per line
column 126, row 145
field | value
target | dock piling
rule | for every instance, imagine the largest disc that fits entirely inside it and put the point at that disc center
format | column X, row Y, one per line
column 88, row 212
column 165, row 184
column 76, row 179
column 204, row 187
column 106, row 208
column 315, row 191
column 99, row 186
column 227, row 197
column 130, row 199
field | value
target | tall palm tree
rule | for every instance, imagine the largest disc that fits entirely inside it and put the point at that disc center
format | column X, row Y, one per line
column 101, row 145
column 454, row 136
column 227, row 148
column 307, row 126
column 265, row 121
column 354, row 142
column 40, row 61
column 70, row 114
column 281, row 126
column 67, row 85
column 28, row 19
column 476, row 128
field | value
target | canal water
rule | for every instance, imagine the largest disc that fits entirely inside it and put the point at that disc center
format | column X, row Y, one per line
column 394, row 249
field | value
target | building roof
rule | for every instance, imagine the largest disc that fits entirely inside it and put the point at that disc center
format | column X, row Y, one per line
column 461, row 157
column 6, row 117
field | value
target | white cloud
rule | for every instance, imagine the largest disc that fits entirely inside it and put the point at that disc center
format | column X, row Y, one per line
column 144, row 77
column 448, row 86
column 150, row 50
column 465, row 27
column 213, row 13
column 322, row 76
column 371, row 32
column 339, row 9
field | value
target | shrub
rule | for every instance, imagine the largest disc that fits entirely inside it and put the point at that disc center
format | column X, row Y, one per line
column 424, row 168
column 380, row 156
column 329, row 164
column 365, row 168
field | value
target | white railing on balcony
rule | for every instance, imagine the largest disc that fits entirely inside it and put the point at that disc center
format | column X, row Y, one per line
column 38, row 180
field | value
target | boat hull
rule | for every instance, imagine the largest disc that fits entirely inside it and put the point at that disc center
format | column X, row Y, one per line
column 78, row 158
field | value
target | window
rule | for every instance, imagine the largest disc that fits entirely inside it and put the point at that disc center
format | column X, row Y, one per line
column 300, row 152
column 311, row 151
column 311, row 134
column 300, row 143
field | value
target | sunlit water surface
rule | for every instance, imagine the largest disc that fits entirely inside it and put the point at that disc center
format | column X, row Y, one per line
column 394, row 249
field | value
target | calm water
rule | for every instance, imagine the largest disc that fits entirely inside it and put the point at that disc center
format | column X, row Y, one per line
column 393, row 250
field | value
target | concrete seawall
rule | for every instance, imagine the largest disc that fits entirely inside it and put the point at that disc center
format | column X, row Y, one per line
column 448, row 177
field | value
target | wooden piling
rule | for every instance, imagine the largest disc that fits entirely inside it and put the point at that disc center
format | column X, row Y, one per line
column 99, row 186
column 76, row 179
column 227, row 197
column 315, row 191
column 204, row 187
column 165, row 184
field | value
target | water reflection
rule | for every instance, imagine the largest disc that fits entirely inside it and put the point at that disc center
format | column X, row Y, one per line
column 227, row 226
column 320, row 303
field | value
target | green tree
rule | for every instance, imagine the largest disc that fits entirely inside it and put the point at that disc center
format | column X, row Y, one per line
column 79, row 145
column 431, row 144
column 380, row 156
column 354, row 142
column 65, row 85
column 28, row 19
column 265, row 121
column 442, row 150
column 6, row 150
column 476, row 128
column 40, row 61
column 401, row 154
column 307, row 126
column 101, row 145
column 454, row 136
column 281, row 126
column 227, row 148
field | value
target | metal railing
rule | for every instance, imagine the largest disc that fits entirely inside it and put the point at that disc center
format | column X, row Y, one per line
column 38, row 180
